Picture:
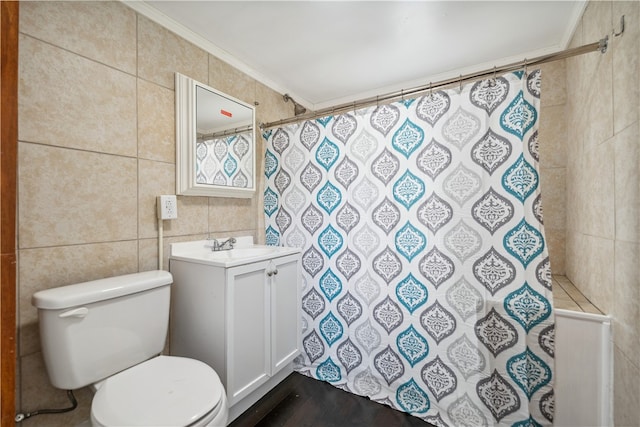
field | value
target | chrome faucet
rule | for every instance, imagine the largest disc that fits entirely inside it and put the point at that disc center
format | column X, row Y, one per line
column 223, row 246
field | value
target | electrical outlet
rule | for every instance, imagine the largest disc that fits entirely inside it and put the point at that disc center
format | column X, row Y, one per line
column 167, row 207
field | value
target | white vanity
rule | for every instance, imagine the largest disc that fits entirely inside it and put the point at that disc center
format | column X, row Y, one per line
column 238, row 311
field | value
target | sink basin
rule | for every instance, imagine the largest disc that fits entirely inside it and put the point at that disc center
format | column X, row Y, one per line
column 200, row 252
column 249, row 252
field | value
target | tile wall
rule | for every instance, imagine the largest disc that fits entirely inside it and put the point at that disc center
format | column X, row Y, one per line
column 567, row 297
column 602, row 181
column 552, row 130
column 96, row 146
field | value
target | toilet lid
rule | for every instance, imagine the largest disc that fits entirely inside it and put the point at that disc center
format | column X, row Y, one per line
column 162, row 391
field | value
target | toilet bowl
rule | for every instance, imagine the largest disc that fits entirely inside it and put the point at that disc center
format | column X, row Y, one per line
column 163, row 391
column 109, row 334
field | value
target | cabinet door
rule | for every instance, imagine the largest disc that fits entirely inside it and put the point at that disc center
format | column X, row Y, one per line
column 248, row 332
column 285, row 305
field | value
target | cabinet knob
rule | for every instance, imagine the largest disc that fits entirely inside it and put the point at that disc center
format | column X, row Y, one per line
column 275, row 271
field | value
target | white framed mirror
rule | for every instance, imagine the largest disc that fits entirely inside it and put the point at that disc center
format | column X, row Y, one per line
column 215, row 142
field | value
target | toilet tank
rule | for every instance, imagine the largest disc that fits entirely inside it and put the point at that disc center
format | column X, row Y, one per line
column 92, row 330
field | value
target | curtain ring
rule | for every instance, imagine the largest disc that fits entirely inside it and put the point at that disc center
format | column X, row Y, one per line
column 430, row 91
column 525, row 67
column 402, row 94
column 492, row 82
column 460, row 82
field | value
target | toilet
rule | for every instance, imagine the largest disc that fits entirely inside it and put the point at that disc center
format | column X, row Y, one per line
column 109, row 334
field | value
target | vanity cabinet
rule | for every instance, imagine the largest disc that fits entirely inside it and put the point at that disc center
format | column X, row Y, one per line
column 242, row 320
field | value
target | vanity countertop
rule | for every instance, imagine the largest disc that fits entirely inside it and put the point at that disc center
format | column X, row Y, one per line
column 244, row 252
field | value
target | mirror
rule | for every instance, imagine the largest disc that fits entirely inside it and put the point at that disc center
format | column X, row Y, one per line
column 215, row 142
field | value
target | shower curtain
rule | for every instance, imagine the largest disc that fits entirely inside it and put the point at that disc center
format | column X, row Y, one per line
column 225, row 160
column 426, row 279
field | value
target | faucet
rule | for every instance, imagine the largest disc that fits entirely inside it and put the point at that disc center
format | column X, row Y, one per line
column 220, row 246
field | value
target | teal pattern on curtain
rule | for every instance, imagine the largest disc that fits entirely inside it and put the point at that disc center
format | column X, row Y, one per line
column 426, row 279
column 225, row 160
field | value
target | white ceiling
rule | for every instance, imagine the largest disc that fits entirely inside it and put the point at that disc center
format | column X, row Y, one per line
column 325, row 53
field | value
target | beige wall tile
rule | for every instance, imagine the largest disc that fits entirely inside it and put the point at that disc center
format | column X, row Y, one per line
column 272, row 106
column 162, row 53
column 575, row 197
column 553, row 189
column 627, row 184
column 599, row 213
column 578, row 269
column 626, row 391
column 580, row 84
column 576, row 107
column 555, row 240
column 599, row 272
column 72, row 197
column 148, row 255
column 231, row 81
column 554, row 90
column 148, row 249
column 155, row 179
column 192, row 217
column 600, row 104
column 156, row 122
column 56, row 266
column 70, row 101
column 104, row 31
column 229, row 215
column 553, row 137
column 597, row 23
column 626, row 57
column 553, row 146
column 626, row 297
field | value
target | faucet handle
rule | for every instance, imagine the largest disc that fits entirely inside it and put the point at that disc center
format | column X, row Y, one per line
column 232, row 241
column 211, row 243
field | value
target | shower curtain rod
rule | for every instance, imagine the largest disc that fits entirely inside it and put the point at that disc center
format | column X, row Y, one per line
column 600, row 45
column 231, row 131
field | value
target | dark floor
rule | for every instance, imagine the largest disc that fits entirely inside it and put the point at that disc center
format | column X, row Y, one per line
column 300, row 401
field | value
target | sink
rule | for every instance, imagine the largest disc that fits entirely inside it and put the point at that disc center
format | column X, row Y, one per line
column 245, row 252
column 248, row 252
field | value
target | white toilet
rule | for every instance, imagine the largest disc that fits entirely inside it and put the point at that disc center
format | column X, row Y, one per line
column 108, row 333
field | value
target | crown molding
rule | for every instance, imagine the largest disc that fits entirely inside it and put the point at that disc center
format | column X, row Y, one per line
column 144, row 9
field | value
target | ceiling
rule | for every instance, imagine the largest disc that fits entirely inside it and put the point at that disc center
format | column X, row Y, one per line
column 325, row 53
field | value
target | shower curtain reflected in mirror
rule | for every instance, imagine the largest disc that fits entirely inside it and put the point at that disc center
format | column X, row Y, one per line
column 426, row 279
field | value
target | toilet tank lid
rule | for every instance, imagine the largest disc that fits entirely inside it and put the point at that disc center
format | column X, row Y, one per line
column 99, row 290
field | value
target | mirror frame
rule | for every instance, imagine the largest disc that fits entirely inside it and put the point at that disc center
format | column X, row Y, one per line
column 186, row 135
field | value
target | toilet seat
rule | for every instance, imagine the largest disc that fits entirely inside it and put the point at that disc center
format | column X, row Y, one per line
column 163, row 391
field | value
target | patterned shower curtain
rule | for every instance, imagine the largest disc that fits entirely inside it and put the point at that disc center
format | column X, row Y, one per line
column 225, row 160
column 426, row 279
